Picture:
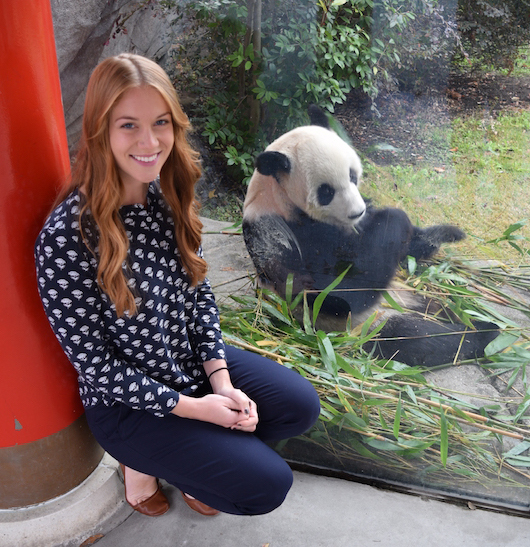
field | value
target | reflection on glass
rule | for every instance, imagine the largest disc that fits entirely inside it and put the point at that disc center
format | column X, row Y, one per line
column 416, row 337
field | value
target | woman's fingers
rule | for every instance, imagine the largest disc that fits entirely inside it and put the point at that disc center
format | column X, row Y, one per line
column 249, row 420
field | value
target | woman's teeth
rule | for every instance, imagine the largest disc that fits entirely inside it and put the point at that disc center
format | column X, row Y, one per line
column 146, row 159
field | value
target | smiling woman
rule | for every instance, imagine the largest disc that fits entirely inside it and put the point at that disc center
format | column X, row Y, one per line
column 122, row 279
column 141, row 139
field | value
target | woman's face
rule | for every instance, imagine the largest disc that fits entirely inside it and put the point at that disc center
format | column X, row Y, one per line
column 141, row 138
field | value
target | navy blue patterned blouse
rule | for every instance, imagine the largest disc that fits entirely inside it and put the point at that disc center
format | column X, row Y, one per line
column 143, row 360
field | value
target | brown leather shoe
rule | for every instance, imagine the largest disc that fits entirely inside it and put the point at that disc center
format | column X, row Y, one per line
column 200, row 507
column 154, row 506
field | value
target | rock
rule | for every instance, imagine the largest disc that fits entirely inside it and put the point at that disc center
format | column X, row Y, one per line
column 84, row 31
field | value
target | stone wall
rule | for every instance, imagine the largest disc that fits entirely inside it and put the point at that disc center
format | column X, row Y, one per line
column 86, row 32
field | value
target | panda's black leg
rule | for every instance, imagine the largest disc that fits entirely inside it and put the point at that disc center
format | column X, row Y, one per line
column 416, row 341
column 425, row 242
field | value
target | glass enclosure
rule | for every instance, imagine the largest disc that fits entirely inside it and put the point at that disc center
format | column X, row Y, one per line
column 391, row 247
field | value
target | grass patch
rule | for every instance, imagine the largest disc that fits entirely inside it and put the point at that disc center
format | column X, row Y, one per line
column 481, row 186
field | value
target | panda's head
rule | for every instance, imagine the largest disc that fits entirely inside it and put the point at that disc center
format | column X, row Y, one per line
column 316, row 171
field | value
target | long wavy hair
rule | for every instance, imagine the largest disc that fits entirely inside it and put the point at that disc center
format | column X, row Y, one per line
column 95, row 173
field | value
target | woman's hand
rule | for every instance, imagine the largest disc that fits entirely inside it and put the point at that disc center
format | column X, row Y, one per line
column 227, row 406
column 246, row 407
column 213, row 408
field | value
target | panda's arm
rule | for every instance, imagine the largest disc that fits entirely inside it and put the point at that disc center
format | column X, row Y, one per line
column 425, row 242
column 276, row 253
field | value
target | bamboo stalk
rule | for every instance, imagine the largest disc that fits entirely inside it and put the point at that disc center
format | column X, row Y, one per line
column 428, row 402
column 260, row 351
column 448, row 408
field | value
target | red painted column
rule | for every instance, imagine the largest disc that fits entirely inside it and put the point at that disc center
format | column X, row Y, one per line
column 45, row 447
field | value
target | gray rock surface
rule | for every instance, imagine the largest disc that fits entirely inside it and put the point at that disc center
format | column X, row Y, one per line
column 90, row 30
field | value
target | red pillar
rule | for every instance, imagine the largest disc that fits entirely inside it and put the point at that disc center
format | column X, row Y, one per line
column 45, row 447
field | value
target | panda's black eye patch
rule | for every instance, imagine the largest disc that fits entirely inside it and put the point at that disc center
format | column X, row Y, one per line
column 325, row 194
column 353, row 177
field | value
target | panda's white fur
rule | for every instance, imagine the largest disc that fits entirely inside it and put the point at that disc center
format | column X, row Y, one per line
column 318, row 157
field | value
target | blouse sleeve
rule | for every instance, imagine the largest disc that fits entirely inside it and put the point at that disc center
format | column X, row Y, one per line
column 66, row 274
column 205, row 332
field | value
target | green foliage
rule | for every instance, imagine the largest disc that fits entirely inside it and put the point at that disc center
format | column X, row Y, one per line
column 513, row 239
column 317, row 51
column 312, row 51
column 492, row 32
column 424, row 49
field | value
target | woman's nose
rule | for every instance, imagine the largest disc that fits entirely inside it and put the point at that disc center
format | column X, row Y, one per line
column 148, row 138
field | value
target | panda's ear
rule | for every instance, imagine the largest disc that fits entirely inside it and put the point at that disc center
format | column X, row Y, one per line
column 318, row 116
column 272, row 163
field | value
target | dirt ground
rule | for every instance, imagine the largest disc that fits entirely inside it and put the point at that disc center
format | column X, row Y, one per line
column 395, row 133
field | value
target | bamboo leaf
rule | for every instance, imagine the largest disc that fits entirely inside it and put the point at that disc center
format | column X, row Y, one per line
column 504, row 340
column 362, row 450
column 367, row 324
column 354, row 420
column 345, row 403
column 411, row 394
column 319, row 300
column 397, row 418
column 383, row 445
column 348, row 368
column 517, row 449
column 382, row 421
column 289, row 289
column 392, row 302
column 519, row 461
column 308, row 328
column 444, row 438
column 327, row 353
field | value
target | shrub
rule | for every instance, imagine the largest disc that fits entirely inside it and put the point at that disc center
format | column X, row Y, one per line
column 309, row 52
column 493, row 31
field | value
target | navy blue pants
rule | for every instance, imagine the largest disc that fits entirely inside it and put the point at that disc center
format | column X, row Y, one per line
column 233, row 471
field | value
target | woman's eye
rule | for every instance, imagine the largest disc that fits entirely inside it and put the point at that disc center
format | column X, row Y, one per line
column 162, row 122
column 127, row 125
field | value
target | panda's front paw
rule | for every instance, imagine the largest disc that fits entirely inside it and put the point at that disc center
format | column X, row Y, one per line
column 447, row 233
column 425, row 242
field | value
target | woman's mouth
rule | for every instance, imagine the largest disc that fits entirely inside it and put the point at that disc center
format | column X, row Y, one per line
column 146, row 159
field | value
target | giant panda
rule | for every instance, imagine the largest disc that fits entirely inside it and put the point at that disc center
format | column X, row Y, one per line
column 304, row 216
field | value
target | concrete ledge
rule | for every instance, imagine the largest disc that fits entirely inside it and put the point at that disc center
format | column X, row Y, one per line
column 97, row 505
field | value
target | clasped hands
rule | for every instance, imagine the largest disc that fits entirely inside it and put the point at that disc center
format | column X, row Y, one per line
column 238, row 411
column 228, row 407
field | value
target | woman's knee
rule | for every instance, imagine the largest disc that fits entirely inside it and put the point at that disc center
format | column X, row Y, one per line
column 269, row 489
column 303, row 407
column 308, row 404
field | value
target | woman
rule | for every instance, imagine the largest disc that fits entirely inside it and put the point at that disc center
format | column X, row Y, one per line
column 122, row 280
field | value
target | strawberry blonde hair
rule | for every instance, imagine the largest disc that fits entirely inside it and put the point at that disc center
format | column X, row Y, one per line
column 96, row 173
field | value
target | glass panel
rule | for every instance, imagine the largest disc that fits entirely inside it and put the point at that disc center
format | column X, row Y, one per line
column 391, row 247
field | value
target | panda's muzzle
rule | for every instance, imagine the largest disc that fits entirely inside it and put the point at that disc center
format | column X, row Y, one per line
column 357, row 216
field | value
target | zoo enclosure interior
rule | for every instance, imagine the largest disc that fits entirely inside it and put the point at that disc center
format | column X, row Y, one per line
column 439, row 116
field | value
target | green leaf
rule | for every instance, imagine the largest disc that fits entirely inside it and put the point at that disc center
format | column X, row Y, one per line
column 517, row 449
column 397, row 419
column 444, row 438
column 327, row 353
column 319, row 300
column 392, row 302
column 355, row 421
column 362, row 450
column 504, row 340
